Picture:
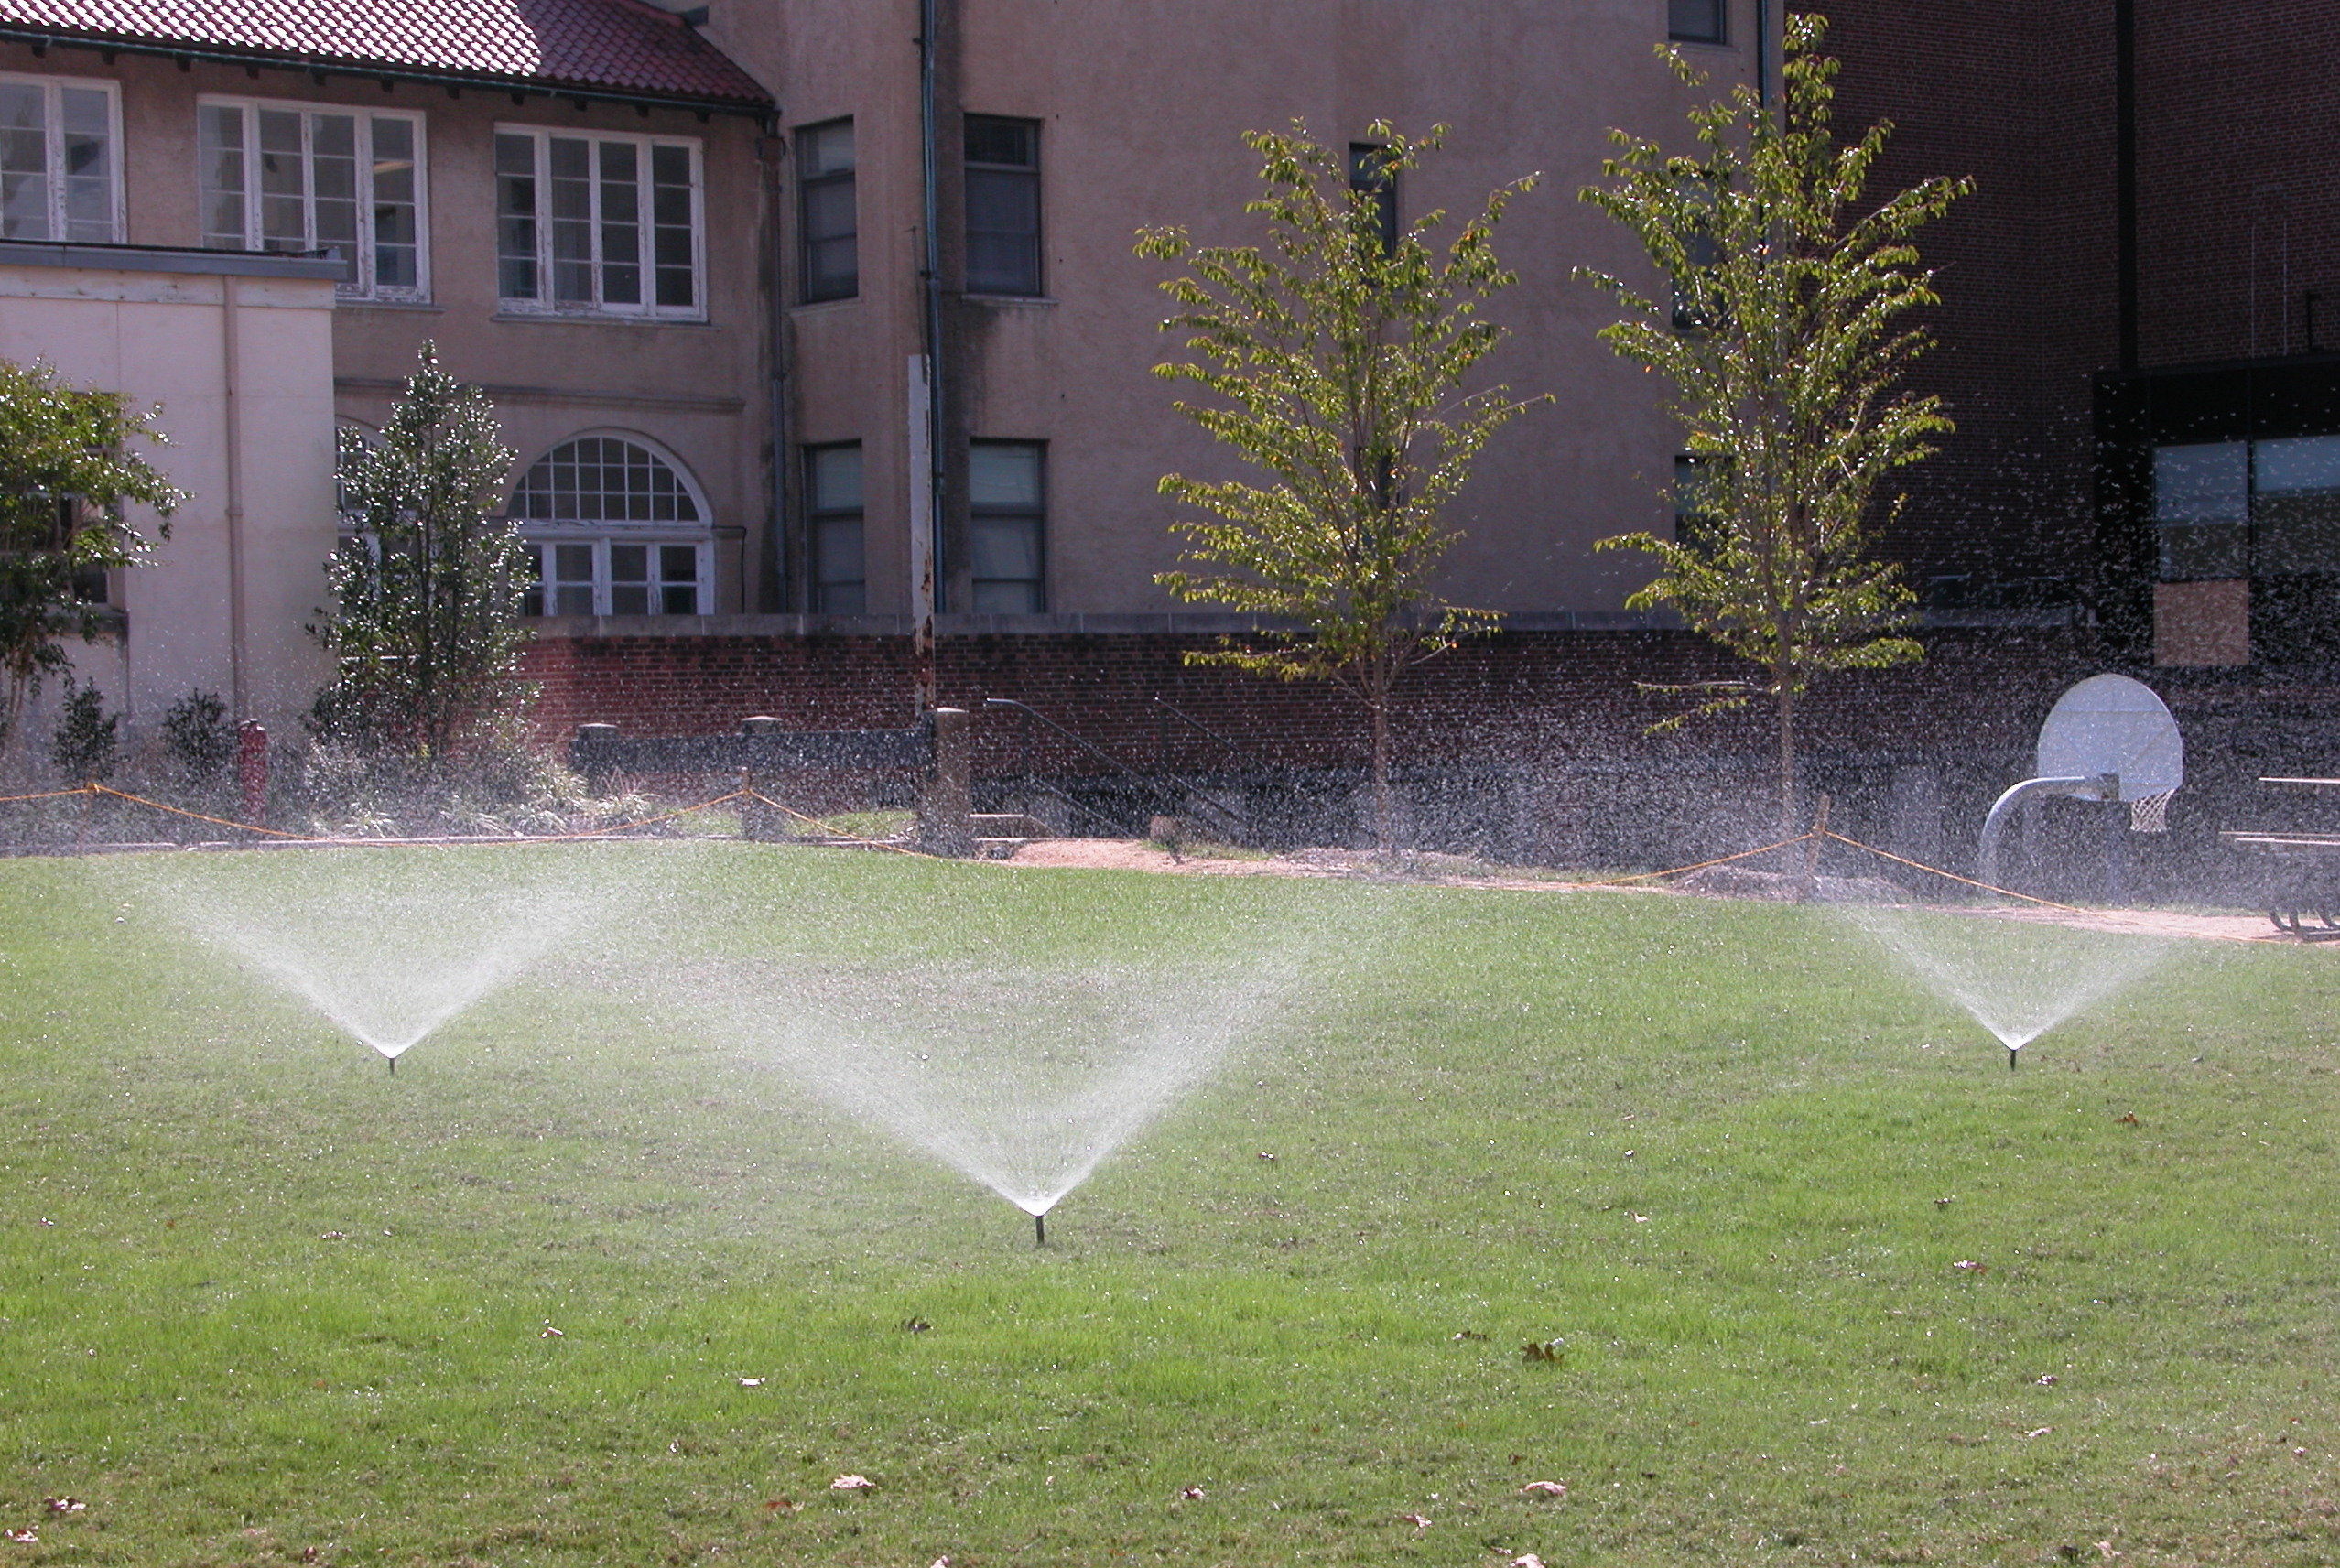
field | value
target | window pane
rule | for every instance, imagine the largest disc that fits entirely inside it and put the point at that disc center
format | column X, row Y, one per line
column 284, row 185
column 629, row 579
column 599, row 479
column 573, row 580
column 2312, row 463
column 532, row 594
column 515, row 208
column 395, row 228
column 826, row 149
column 220, row 150
column 673, row 211
column 1695, row 21
column 995, row 598
column 1004, row 475
column 572, row 221
column 2202, row 503
column 24, row 162
column 837, row 558
column 2298, row 510
column 679, row 580
column 837, row 478
column 1006, row 547
column 832, row 251
column 998, row 141
column 1002, row 232
column 89, row 165
column 621, row 224
column 333, row 184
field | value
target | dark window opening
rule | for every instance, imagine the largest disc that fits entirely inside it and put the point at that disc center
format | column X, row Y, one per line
column 1371, row 176
column 838, row 580
column 1696, row 21
column 1007, row 526
column 826, row 213
column 1002, row 206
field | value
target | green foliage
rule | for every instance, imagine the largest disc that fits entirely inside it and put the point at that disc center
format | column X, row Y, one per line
column 67, row 474
column 1339, row 360
column 425, row 633
column 1784, row 345
column 87, row 744
column 198, row 739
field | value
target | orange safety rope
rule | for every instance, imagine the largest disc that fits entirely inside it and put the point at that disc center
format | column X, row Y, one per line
column 1937, row 870
column 45, row 795
column 824, row 827
column 177, row 811
column 1700, row 866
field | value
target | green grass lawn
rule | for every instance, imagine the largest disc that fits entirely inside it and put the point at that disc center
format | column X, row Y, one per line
column 258, row 1299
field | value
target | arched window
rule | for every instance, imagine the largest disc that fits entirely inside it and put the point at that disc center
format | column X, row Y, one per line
column 614, row 527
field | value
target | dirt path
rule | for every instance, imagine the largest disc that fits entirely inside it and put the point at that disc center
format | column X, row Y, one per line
column 1446, row 871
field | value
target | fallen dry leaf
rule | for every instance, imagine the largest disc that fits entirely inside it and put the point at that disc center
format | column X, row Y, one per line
column 335, row 1236
column 25, row 1537
column 1637, row 1218
column 2047, row 1379
column 65, row 1505
column 1968, row 1266
column 1471, row 1336
column 1553, row 1350
column 778, row 1506
column 2039, row 1431
column 1417, row 1521
column 310, row 1554
column 2105, row 1549
column 750, row 1382
column 1545, row 1490
column 1268, row 1157
column 549, row 1331
column 941, row 1562
column 852, row 1484
column 1527, row 1560
column 1190, row 1493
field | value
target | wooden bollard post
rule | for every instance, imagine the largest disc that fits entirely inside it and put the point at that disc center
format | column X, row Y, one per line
column 251, row 769
column 945, row 791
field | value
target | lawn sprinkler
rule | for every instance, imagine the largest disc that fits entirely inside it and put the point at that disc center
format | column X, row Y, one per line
column 1040, row 1229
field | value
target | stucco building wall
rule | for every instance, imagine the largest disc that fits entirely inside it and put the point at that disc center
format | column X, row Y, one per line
column 238, row 354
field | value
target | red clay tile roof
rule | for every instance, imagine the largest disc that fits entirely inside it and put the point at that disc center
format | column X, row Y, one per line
column 623, row 46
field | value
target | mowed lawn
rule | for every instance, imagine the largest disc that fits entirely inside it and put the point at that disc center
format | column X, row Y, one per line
column 1832, row 1285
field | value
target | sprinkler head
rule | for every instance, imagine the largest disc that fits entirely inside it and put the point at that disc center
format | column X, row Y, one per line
column 393, row 1066
column 2013, row 1052
column 1040, row 1229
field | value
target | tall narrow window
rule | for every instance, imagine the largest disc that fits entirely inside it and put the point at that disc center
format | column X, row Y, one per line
column 280, row 177
column 1696, row 21
column 1007, row 526
column 598, row 225
column 1002, row 205
column 831, row 260
column 60, row 176
column 840, row 568
column 1371, row 176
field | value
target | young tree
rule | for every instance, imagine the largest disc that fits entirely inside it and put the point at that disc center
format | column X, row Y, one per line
column 1338, row 351
column 425, row 630
column 1784, row 346
column 67, row 471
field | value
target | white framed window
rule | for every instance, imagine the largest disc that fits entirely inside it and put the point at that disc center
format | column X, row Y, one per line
column 60, row 166
column 295, row 177
column 599, row 224
column 613, row 527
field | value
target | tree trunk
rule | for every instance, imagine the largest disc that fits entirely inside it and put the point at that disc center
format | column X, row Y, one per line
column 1790, row 819
column 1380, row 709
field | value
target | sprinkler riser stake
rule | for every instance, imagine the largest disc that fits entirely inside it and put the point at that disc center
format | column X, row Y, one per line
column 1040, row 1230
